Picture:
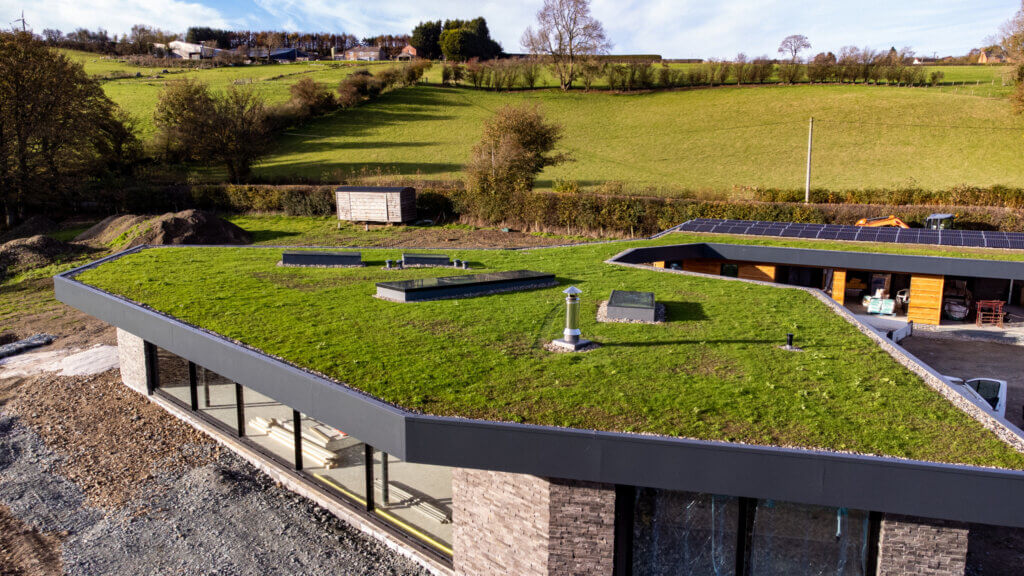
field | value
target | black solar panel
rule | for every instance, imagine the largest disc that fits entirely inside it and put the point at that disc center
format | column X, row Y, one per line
column 980, row 238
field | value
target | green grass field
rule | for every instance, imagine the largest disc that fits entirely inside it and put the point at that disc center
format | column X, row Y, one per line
column 724, row 140
column 720, row 139
column 711, row 372
column 138, row 96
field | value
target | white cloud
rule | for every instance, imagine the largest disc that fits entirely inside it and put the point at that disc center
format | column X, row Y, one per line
column 115, row 16
column 672, row 28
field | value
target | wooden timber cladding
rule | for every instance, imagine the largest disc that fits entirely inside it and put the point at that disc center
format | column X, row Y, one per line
column 763, row 272
column 925, row 299
column 703, row 266
column 370, row 204
column 839, row 285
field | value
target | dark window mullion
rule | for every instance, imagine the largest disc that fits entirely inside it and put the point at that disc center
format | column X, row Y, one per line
column 240, row 409
column 369, row 477
column 297, row 426
column 193, row 386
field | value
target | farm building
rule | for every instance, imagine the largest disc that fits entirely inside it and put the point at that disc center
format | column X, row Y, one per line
column 364, row 53
column 408, row 52
column 376, row 204
column 449, row 429
column 288, row 55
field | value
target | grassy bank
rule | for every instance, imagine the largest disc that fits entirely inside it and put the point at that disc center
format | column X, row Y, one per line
column 724, row 139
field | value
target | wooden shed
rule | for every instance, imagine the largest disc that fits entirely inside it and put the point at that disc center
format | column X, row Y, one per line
column 376, row 204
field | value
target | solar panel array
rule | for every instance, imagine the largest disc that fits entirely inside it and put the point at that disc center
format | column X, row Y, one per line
column 975, row 238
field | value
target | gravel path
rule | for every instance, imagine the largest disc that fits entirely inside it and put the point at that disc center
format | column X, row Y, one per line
column 223, row 518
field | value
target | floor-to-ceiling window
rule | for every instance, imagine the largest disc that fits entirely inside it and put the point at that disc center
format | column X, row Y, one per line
column 413, row 498
column 708, row 535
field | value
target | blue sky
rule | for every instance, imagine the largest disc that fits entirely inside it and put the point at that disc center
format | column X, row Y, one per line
column 672, row 28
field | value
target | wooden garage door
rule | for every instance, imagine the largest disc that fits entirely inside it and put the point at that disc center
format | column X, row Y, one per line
column 925, row 299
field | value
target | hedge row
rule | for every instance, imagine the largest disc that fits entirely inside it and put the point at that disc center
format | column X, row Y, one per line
column 962, row 195
column 577, row 213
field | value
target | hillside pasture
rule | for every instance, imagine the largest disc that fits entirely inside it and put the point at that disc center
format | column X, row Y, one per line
column 722, row 139
column 139, row 95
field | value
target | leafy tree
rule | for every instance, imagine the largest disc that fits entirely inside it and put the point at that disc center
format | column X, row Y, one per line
column 195, row 124
column 517, row 144
column 426, row 39
column 311, row 97
column 56, row 126
column 202, row 34
column 455, row 44
column 566, row 34
column 463, row 40
column 793, row 45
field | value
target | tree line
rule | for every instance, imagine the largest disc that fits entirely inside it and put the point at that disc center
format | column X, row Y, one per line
column 63, row 141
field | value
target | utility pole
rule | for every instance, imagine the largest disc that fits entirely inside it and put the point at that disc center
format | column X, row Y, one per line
column 810, row 144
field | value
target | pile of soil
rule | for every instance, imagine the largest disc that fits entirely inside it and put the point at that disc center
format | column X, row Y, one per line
column 33, row 252
column 185, row 227
column 32, row 227
column 109, row 229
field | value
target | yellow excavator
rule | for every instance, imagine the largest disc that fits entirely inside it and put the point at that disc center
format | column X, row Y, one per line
column 882, row 222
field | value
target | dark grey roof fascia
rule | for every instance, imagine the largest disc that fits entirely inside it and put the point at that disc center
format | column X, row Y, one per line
column 962, row 493
column 898, row 263
column 932, row 490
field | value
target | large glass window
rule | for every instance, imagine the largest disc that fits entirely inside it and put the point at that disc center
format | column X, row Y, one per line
column 216, row 395
column 684, row 533
column 173, row 376
column 799, row 539
column 270, row 425
column 334, row 459
column 416, row 497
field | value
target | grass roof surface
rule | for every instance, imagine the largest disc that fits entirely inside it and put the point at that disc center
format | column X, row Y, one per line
column 714, row 371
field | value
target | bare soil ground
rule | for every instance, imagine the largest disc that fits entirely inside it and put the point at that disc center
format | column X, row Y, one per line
column 25, row 551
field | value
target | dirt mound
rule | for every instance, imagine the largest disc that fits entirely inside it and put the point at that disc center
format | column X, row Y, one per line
column 33, row 252
column 31, row 227
column 109, row 229
column 185, row 227
column 190, row 227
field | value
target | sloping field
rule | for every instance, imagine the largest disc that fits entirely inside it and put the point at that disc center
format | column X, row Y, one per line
column 138, row 95
column 706, row 139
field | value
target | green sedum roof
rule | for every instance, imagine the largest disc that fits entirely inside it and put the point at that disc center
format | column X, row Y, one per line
column 714, row 371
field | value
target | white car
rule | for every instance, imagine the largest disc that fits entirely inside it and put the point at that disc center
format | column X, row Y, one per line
column 990, row 390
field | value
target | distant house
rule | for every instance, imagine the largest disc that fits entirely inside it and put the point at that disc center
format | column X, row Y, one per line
column 408, row 52
column 190, row 51
column 921, row 61
column 288, row 55
column 364, row 53
column 991, row 57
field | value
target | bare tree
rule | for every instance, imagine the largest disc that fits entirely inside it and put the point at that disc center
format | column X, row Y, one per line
column 793, row 45
column 566, row 33
column 1011, row 35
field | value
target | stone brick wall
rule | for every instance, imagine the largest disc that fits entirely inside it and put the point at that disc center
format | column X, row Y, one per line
column 132, row 355
column 529, row 526
column 921, row 547
column 581, row 535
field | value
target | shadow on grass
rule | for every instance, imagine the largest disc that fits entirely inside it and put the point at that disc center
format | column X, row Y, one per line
column 316, row 169
column 683, row 311
column 268, row 235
